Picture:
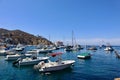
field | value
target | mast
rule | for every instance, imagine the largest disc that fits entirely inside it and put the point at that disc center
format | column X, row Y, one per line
column 49, row 37
column 72, row 37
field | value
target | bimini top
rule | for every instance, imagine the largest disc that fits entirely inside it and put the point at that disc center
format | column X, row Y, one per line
column 55, row 54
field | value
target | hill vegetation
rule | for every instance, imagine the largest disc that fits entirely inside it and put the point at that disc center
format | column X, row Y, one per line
column 18, row 36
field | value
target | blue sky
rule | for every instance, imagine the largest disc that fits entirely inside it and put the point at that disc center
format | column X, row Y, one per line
column 91, row 20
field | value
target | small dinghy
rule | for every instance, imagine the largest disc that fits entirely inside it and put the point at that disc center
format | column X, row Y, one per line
column 85, row 55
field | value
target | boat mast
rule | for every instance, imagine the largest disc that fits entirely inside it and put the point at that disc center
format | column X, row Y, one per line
column 72, row 37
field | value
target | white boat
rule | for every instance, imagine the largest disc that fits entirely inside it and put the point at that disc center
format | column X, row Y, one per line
column 2, row 52
column 33, row 51
column 10, row 52
column 6, row 50
column 19, row 47
column 16, row 56
column 92, row 48
column 29, row 61
column 45, row 50
column 108, row 48
column 54, row 66
column 37, row 50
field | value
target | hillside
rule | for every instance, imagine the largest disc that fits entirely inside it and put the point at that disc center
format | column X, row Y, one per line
column 18, row 36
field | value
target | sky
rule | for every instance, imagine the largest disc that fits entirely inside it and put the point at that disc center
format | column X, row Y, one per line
column 92, row 21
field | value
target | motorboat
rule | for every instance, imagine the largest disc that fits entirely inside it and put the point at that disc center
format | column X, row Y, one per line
column 29, row 61
column 45, row 50
column 85, row 55
column 54, row 65
column 108, row 48
column 16, row 56
column 6, row 50
column 2, row 52
column 117, row 54
column 10, row 52
column 92, row 48
column 33, row 51
column 19, row 47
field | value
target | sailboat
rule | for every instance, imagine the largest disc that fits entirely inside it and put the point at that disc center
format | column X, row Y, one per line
column 74, row 46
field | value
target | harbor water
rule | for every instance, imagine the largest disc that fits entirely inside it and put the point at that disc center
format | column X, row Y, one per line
column 101, row 66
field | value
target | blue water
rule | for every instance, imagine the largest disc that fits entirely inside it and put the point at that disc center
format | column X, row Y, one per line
column 102, row 66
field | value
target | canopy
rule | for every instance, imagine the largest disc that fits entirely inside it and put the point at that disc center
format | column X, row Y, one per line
column 55, row 54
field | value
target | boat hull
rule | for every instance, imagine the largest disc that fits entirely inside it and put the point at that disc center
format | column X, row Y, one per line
column 12, row 58
column 15, row 57
column 2, row 52
column 30, row 62
column 84, row 57
column 58, row 67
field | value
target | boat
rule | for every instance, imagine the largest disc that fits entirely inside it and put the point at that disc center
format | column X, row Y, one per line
column 45, row 50
column 2, row 52
column 39, row 50
column 6, row 50
column 74, row 46
column 29, row 61
column 109, row 48
column 78, row 47
column 85, row 55
column 19, row 47
column 33, row 51
column 10, row 52
column 92, row 48
column 55, row 65
column 117, row 78
column 117, row 54
column 16, row 56
column 68, row 48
